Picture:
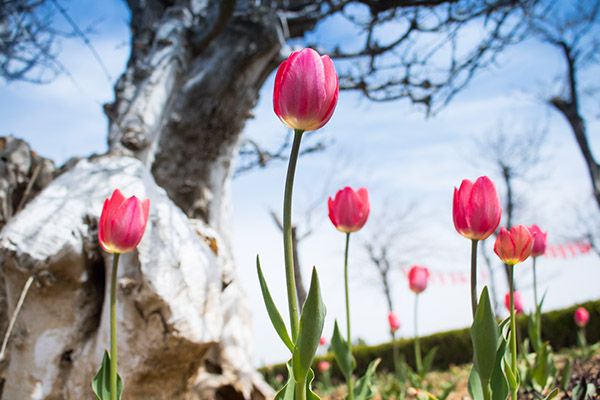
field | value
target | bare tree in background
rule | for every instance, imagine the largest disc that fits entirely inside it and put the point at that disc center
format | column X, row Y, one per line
column 392, row 242
column 573, row 29
column 513, row 153
column 193, row 77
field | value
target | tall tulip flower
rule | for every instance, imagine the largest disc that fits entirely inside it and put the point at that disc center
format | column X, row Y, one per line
column 581, row 317
column 512, row 247
column 518, row 302
column 417, row 282
column 349, row 209
column 393, row 322
column 304, row 98
column 394, row 325
column 120, row 229
column 476, row 214
column 348, row 212
column 417, row 278
column 306, row 90
column 122, row 223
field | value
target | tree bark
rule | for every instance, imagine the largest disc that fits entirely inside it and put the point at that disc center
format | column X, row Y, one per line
column 568, row 106
column 192, row 79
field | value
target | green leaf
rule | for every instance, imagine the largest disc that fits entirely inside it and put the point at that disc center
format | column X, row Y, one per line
column 474, row 385
column 274, row 314
column 287, row 391
column 343, row 356
column 552, row 394
column 511, row 377
column 428, row 360
column 498, row 382
column 101, row 382
column 312, row 319
column 565, row 375
column 364, row 386
column 310, row 395
column 542, row 368
column 484, row 335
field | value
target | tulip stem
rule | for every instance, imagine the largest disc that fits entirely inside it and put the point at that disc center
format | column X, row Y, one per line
column 395, row 355
column 288, row 247
column 349, row 334
column 113, row 328
column 418, row 359
column 513, row 329
column 535, row 296
column 473, row 276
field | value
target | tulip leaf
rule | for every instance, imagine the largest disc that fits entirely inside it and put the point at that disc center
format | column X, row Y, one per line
column 287, row 391
column 101, row 382
column 552, row 394
column 428, row 360
column 498, row 381
column 474, row 385
column 274, row 314
column 484, row 335
column 312, row 319
column 310, row 395
column 343, row 356
column 364, row 386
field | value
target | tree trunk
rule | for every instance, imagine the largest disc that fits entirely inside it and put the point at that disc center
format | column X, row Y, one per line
column 184, row 332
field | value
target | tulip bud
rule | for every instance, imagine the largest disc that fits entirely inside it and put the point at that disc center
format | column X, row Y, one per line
column 417, row 278
column 581, row 317
column 324, row 366
column 122, row 223
column 349, row 210
column 518, row 302
column 476, row 208
column 306, row 90
column 539, row 240
column 323, row 341
column 394, row 322
column 514, row 246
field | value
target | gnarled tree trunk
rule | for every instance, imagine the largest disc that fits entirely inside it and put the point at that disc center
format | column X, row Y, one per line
column 191, row 82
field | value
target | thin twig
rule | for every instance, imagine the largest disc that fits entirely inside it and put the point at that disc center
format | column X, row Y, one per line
column 30, row 184
column 13, row 319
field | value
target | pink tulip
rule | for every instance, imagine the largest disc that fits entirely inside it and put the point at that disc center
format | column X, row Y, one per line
column 518, row 302
column 394, row 322
column 539, row 240
column 323, row 341
column 306, row 90
column 476, row 208
column 323, row 366
column 417, row 278
column 581, row 317
column 122, row 223
column 514, row 246
column 349, row 210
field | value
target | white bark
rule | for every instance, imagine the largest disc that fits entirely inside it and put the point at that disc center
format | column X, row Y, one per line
column 181, row 311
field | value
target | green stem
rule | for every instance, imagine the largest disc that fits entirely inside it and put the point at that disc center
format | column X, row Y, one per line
column 396, row 355
column 348, row 330
column 113, row 328
column 418, row 359
column 513, row 329
column 288, row 249
column 300, row 391
column 538, row 315
column 535, row 296
column 473, row 276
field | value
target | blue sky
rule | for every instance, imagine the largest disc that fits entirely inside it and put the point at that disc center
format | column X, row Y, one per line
column 390, row 148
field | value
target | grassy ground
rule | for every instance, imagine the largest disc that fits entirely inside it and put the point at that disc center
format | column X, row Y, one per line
column 584, row 372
